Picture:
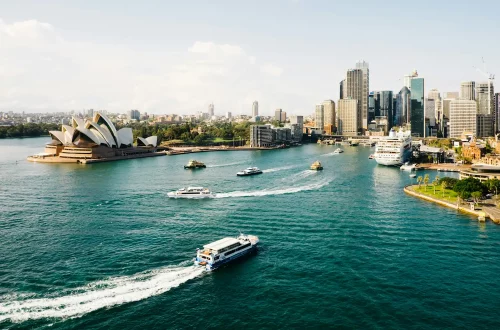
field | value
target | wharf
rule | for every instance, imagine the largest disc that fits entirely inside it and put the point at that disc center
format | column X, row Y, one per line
column 488, row 207
column 188, row 150
column 443, row 167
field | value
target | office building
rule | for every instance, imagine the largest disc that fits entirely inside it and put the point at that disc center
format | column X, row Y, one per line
column 430, row 111
column 485, row 124
column 452, row 95
column 283, row 116
column 255, row 109
column 319, row 116
column 343, row 86
column 463, row 117
column 407, row 78
column 354, row 91
column 211, row 110
column 229, row 115
column 364, row 67
column 134, row 115
column 261, row 136
column 417, row 107
column 434, row 94
column 277, row 114
column 372, row 106
column 329, row 113
column 386, row 109
column 347, row 117
column 297, row 127
column 468, row 90
column 497, row 112
column 402, row 113
column 485, row 99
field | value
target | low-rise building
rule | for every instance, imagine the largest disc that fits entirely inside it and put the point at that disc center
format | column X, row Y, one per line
column 481, row 172
column 473, row 151
column 261, row 136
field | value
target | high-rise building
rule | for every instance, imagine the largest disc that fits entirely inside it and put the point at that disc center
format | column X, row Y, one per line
column 430, row 111
column 261, row 136
column 134, row 114
column 434, row 94
column 255, row 109
column 229, row 115
column 452, row 95
column 417, row 107
column 297, row 127
column 468, row 90
column 485, row 100
column 364, row 67
column 497, row 112
column 354, row 90
column 463, row 116
column 283, row 116
column 386, row 109
column 347, row 117
column 342, row 88
column 211, row 109
column 319, row 116
column 329, row 113
column 277, row 114
column 485, row 123
column 372, row 104
column 402, row 113
column 409, row 77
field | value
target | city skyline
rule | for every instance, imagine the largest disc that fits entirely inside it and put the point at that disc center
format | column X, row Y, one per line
column 153, row 61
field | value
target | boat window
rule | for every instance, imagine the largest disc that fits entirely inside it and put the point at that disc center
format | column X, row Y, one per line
column 238, row 249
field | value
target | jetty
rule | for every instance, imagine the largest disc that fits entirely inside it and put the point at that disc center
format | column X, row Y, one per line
column 485, row 210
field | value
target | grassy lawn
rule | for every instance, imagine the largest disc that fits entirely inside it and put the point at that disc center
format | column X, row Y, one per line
column 449, row 195
column 216, row 140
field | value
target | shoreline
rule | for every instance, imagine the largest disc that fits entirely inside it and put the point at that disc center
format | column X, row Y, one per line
column 410, row 190
column 188, row 150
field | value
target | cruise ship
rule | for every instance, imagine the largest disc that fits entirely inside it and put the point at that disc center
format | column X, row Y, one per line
column 225, row 250
column 394, row 149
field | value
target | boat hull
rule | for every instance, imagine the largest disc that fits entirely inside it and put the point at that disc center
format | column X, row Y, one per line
column 232, row 258
column 174, row 195
column 248, row 174
column 193, row 167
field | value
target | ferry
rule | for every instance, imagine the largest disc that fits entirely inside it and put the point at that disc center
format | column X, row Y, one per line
column 338, row 151
column 394, row 149
column 249, row 171
column 316, row 166
column 225, row 250
column 408, row 167
column 194, row 164
column 191, row 192
column 372, row 156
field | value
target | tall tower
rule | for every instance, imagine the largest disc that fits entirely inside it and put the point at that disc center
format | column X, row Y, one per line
column 417, row 119
column 354, row 91
column 255, row 109
column 329, row 113
column 364, row 67
column 485, row 100
column 402, row 113
column 463, row 117
column 319, row 116
column 211, row 109
column 342, row 86
column 468, row 90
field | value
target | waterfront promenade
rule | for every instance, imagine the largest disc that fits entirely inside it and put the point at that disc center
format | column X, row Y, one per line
column 450, row 200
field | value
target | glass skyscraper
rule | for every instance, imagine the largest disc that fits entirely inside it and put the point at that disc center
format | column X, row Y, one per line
column 386, row 107
column 402, row 113
column 417, row 107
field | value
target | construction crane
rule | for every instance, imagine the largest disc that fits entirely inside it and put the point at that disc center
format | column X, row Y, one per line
column 491, row 78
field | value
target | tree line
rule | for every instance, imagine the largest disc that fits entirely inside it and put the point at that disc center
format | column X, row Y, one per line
column 27, row 130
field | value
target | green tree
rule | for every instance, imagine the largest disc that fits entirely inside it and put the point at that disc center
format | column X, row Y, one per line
column 426, row 181
column 476, row 195
column 470, row 185
column 419, row 180
column 444, row 185
column 435, row 183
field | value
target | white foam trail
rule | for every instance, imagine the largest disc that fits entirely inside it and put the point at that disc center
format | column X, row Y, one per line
column 224, row 165
column 278, row 169
column 300, row 176
column 267, row 192
column 329, row 154
column 101, row 294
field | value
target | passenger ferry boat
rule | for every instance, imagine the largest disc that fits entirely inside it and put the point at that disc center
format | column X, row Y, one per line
column 249, row 171
column 191, row 192
column 338, row 151
column 225, row 250
column 316, row 166
column 394, row 149
column 195, row 164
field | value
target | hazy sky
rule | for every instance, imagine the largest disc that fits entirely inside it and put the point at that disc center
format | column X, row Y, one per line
column 178, row 56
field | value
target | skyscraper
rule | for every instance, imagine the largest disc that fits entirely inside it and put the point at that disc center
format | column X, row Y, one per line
column 371, row 106
column 407, row 78
column 485, row 100
column 329, row 113
column 434, row 94
column 386, row 109
column 283, row 116
column 463, row 116
column 484, row 127
column 468, row 90
column 319, row 116
column 342, row 88
column 255, row 109
column 211, row 109
column 417, row 107
column 347, row 117
column 364, row 67
column 354, row 90
column 277, row 114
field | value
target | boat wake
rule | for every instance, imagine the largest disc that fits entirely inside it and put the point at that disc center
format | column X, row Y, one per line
column 300, row 176
column 267, row 192
column 278, row 169
column 329, row 154
column 224, row 165
column 101, row 294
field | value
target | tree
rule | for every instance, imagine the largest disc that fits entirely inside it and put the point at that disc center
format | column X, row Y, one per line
column 435, row 183
column 450, row 182
column 426, row 181
column 476, row 195
column 470, row 185
column 444, row 185
column 419, row 180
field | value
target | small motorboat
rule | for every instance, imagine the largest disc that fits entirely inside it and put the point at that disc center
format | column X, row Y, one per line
column 338, row 151
column 316, row 166
column 194, row 164
column 372, row 156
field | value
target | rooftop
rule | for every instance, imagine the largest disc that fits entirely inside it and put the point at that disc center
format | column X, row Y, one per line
column 222, row 243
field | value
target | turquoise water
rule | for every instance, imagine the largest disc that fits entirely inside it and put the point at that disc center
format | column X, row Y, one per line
column 100, row 246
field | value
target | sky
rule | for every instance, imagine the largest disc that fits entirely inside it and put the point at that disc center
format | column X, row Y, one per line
column 179, row 56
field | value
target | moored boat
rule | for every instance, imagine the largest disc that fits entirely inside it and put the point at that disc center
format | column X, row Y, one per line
column 249, row 171
column 225, row 250
column 316, row 166
column 408, row 167
column 194, row 164
column 191, row 192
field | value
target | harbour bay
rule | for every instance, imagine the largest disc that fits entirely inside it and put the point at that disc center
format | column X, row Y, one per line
column 102, row 246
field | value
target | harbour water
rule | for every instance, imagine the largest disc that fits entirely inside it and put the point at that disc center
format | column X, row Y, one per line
column 101, row 246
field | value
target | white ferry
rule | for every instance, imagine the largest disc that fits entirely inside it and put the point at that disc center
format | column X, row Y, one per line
column 338, row 151
column 408, row 167
column 249, row 171
column 394, row 149
column 225, row 250
column 191, row 192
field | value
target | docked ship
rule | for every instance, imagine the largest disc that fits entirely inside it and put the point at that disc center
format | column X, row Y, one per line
column 394, row 149
column 195, row 164
column 249, row 171
column 316, row 166
column 191, row 192
column 225, row 250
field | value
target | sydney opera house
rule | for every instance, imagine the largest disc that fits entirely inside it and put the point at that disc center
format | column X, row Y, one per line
column 95, row 139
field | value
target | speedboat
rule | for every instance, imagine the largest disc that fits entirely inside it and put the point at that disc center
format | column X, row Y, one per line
column 408, row 167
column 249, row 171
column 338, row 151
column 316, row 166
column 225, row 250
column 195, row 164
column 412, row 175
column 371, row 156
column 191, row 192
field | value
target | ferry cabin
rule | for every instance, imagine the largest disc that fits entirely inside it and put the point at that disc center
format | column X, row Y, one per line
column 222, row 251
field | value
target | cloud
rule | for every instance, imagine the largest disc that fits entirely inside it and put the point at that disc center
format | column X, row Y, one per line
column 52, row 73
column 271, row 70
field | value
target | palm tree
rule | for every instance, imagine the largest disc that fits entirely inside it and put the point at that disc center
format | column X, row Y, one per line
column 476, row 195
column 419, row 180
column 435, row 183
column 444, row 185
column 426, row 181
